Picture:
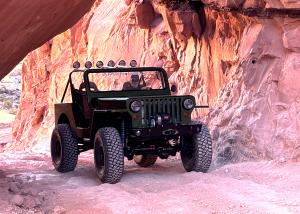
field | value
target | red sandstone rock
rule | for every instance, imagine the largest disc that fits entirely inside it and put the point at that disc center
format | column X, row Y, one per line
column 145, row 14
column 28, row 24
column 127, row 2
column 255, row 3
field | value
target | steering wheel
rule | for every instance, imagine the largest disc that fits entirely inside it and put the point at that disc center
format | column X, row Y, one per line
column 93, row 87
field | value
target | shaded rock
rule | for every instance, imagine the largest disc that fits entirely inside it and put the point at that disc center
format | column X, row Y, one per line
column 59, row 210
column 14, row 188
column 26, row 28
column 128, row 2
column 17, row 200
column 145, row 14
column 31, row 202
column 254, row 3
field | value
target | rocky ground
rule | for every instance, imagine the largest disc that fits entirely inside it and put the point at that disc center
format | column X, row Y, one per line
column 28, row 184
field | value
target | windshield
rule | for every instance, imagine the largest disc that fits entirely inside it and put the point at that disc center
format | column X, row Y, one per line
column 125, row 81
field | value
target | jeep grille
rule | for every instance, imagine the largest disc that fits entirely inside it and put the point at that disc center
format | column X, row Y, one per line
column 154, row 106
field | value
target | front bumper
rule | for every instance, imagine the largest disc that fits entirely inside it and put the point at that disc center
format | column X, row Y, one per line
column 166, row 131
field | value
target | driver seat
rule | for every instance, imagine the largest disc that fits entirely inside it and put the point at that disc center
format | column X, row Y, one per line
column 83, row 100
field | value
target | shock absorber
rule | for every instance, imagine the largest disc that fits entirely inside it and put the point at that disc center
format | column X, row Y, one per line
column 123, row 132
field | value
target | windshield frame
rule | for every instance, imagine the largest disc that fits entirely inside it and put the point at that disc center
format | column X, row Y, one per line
column 114, row 94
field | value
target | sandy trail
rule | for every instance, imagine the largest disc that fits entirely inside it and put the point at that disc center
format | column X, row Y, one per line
column 252, row 187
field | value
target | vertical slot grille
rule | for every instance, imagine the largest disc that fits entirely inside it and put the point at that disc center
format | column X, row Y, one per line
column 154, row 106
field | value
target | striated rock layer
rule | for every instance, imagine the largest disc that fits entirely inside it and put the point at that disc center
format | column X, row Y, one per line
column 26, row 25
column 246, row 68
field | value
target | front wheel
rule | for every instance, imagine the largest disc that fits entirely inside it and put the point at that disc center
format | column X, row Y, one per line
column 108, row 155
column 64, row 148
column 196, row 153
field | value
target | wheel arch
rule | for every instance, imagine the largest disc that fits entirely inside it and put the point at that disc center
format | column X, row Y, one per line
column 107, row 119
column 64, row 114
column 63, row 119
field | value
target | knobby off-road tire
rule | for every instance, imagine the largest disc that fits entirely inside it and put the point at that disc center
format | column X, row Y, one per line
column 145, row 160
column 108, row 155
column 196, row 153
column 64, row 148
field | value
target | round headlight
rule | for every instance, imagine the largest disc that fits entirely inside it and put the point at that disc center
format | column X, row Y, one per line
column 188, row 104
column 135, row 106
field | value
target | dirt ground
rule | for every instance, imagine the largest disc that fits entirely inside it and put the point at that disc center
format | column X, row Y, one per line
column 29, row 184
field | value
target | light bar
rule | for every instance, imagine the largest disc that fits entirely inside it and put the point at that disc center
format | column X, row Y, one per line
column 76, row 65
column 88, row 64
column 99, row 64
column 122, row 63
column 111, row 63
column 133, row 63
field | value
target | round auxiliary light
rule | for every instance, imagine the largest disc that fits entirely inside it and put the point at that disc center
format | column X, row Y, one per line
column 122, row 63
column 88, row 64
column 133, row 63
column 138, row 133
column 111, row 63
column 99, row 64
column 136, row 106
column 188, row 104
column 152, row 122
column 76, row 65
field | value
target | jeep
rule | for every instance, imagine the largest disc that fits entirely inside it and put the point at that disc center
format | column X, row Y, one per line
column 128, row 112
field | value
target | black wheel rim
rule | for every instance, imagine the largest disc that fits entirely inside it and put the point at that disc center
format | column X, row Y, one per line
column 99, row 157
column 56, row 149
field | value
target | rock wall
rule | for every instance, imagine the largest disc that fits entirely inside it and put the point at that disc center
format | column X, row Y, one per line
column 255, row 3
column 246, row 68
column 25, row 25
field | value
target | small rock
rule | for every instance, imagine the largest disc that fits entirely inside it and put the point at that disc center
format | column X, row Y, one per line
column 231, row 206
column 2, row 174
column 38, row 202
column 242, row 206
column 282, row 160
column 25, row 192
column 17, row 200
column 29, row 202
column 59, row 210
column 13, row 187
column 34, row 192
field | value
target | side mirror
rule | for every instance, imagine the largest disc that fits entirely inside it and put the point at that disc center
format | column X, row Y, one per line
column 174, row 88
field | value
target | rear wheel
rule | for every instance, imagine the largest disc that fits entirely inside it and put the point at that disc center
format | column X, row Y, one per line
column 196, row 153
column 145, row 160
column 108, row 155
column 64, row 148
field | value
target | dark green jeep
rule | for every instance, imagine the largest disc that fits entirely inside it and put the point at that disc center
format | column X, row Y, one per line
column 126, row 111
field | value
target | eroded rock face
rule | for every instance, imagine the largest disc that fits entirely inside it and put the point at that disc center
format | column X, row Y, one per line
column 246, row 68
column 255, row 3
column 28, row 24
